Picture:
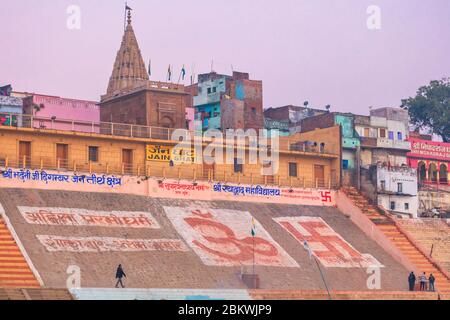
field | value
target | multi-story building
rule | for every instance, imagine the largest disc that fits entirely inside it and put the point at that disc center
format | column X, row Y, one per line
column 431, row 159
column 383, row 136
column 287, row 119
column 150, row 156
column 397, row 189
column 229, row 102
column 132, row 98
column 72, row 114
column 350, row 140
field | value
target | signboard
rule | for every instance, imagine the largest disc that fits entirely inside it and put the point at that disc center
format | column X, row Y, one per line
column 222, row 237
column 429, row 149
column 88, row 218
column 107, row 244
column 168, row 153
column 326, row 245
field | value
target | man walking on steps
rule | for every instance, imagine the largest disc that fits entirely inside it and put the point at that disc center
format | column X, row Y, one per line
column 119, row 275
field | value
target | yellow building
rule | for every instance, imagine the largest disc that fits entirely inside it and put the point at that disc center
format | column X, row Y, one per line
column 309, row 159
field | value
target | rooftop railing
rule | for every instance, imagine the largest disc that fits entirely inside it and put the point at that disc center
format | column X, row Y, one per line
column 145, row 132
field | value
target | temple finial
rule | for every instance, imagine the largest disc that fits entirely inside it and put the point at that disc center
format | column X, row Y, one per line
column 129, row 16
column 128, row 9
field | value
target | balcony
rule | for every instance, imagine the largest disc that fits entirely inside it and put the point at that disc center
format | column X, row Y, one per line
column 393, row 144
column 206, row 99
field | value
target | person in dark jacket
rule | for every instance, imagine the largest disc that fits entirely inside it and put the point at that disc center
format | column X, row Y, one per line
column 119, row 275
column 411, row 281
column 431, row 280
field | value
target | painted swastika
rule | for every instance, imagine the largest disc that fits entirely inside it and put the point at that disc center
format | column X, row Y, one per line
column 222, row 238
column 326, row 196
column 326, row 245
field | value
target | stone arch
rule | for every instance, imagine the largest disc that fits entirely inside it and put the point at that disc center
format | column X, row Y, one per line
column 443, row 173
column 432, row 172
column 422, row 171
column 166, row 122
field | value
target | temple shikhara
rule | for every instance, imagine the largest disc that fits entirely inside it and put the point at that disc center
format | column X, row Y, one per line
column 100, row 183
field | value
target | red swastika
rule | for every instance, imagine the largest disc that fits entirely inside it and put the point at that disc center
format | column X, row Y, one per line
column 337, row 249
column 326, row 196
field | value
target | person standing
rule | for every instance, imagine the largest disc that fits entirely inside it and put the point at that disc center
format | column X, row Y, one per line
column 119, row 275
column 431, row 280
column 411, row 281
column 423, row 282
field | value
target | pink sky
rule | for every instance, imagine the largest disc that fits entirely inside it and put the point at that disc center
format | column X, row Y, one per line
column 316, row 50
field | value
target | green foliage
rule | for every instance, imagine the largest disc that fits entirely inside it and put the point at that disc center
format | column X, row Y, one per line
column 430, row 108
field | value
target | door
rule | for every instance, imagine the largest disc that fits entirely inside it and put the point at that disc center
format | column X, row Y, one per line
column 62, row 156
column 24, row 154
column 127, row 161
column 319, row 175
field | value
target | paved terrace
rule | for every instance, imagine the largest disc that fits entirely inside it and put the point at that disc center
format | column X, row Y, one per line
column 216, row 265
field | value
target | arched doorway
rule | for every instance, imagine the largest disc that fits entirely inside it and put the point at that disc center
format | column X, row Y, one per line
column 166, row 122
column 443, row 174
column 422, row 171
column 432, row 172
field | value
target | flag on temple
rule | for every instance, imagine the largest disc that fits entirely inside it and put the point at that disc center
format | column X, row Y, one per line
column 253, row 227
column 127, row 7
column 5, row 90
column 183, row 72
column 169, row 73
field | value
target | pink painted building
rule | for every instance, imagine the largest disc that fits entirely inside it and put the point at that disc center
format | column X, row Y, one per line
column 51, row 112
column 190, row 115
column 431, row 159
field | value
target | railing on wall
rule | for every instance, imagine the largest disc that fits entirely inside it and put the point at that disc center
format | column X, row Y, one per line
column 166, row 172
column 138, row 131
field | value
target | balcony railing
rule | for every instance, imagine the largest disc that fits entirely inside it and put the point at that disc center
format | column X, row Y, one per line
column 393, row 144
column 135, row 131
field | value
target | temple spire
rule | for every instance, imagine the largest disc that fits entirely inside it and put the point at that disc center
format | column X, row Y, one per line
column 129, row 69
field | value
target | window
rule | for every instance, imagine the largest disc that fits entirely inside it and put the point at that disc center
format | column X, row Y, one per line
column 345, row 164
column 391, row 135
column 366, row 132
column 399, row 136
column 214, row 89
column 392, row 205
column 237, row 165
column 406, row 206
column 254, row 110
column 292, row 169
column 209, row 90
column 93, row 154
column 383, row 185
column 400, row 187
column 382, row 133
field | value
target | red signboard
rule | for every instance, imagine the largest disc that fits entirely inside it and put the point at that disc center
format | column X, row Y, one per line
column 425, row 149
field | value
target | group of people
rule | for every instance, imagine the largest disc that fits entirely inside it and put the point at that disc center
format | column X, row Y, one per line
column 426, row 284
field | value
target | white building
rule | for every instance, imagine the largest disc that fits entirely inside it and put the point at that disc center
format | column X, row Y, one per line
column 397, row 190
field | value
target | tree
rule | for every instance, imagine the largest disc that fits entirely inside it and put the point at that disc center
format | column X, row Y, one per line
column 430, row 108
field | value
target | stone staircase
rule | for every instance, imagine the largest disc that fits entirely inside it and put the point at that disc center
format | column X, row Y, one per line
column 14, row 270
column 388, row 226
column 34, row 294
column 343, row 295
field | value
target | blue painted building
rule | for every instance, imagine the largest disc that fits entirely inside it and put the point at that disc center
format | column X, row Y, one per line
column 243, row 101
column 11, row 110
